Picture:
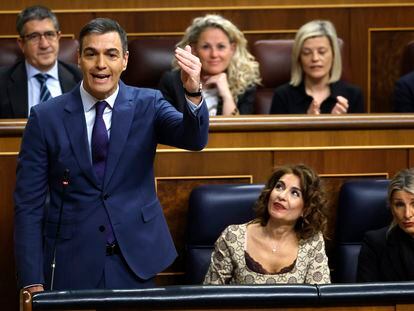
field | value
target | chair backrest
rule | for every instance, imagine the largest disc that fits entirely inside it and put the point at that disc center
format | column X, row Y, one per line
column 274, row 57
column 407, row 59
column 11, row 53
column 362, row 206
column 149, row 58
column 211, row 209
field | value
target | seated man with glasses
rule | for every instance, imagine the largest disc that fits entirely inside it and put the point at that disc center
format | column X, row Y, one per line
column 40, row 75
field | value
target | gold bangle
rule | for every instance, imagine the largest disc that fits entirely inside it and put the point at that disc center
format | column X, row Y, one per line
column 235, row 112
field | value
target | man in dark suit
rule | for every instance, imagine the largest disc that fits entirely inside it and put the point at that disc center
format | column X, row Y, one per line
column 112, row 232
column 21, row 84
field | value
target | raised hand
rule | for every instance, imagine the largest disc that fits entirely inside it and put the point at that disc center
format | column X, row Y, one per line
column 190, row 69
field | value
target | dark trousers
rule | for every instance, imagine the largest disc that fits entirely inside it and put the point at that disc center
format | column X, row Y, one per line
column 118, row 275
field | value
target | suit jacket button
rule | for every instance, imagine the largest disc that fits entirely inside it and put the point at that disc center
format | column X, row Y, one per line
column 105, row 196
column 102, row 228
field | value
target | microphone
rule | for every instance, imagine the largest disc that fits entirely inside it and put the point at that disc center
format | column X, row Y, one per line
column 65, row 184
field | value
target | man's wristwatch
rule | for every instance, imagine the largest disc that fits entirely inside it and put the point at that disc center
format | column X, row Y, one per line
column 194, row 94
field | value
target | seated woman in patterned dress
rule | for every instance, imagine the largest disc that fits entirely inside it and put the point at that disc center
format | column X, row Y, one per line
column 284, row 243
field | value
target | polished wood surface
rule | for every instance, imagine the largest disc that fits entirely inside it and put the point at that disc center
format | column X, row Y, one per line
column 243, row 149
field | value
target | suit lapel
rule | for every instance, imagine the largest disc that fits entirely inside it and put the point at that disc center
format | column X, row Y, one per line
column 122, row 116
column 66, row 79
column 75, row 124
column 17, row 90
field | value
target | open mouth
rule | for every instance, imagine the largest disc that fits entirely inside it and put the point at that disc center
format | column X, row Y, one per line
column 278, row 206
column 100, row 77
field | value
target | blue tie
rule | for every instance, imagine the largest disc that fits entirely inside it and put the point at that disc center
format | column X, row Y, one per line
column 44, row 91
column 99, row 146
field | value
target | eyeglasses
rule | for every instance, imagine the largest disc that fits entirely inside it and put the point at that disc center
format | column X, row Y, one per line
column 35, row 37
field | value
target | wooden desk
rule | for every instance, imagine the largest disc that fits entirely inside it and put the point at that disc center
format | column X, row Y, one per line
column 243, row 149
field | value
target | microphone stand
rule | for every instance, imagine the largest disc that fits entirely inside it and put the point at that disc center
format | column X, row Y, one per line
column 65, row 184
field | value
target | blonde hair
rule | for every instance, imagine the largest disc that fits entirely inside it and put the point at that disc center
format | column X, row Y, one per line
column 243, row 70
column 312, row 29
column 402, row 181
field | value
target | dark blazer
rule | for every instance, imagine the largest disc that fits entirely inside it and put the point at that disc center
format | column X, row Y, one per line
column 403, row 95
column 55, row 139
column 172, row 88
column 13, row 87
column 386, row 257
column 289, row 99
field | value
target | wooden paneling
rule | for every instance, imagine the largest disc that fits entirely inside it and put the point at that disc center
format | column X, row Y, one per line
column 385, row 66
column 8, row 291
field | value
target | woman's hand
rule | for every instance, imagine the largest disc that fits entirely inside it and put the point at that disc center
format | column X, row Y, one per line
column 341, row 105
column 220, row 82
column 314, row 108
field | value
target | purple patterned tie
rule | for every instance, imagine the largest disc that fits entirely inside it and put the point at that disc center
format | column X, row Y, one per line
column 99, row 143
column 99, row 146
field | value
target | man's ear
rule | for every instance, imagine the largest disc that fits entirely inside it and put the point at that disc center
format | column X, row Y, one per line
column 20, row 43
column 79, row 57
column 125, row 60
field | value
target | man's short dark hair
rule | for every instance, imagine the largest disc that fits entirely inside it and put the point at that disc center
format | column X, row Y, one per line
column 102, row 26
column 36, row 12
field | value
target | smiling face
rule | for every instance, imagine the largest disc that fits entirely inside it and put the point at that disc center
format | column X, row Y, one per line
column 214, row 50
column 41, row 54
column 286, row 199
column 316, row 58
column 102, row 62
column 402, row 207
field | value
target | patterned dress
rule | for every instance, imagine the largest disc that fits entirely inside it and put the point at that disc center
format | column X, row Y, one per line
column 228, row 261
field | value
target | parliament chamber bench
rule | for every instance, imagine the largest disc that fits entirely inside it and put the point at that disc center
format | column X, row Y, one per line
column 242, row 149
column 327, row 297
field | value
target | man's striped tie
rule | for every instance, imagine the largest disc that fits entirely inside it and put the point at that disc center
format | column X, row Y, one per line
column 44, row 91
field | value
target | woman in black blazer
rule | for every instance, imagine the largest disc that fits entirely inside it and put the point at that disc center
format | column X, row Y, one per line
column 387, row 254
column 315, row 86
column 229, row 73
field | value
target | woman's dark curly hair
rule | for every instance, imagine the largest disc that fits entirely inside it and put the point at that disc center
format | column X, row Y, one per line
column 314, row 211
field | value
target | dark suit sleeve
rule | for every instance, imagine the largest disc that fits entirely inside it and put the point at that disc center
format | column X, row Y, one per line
column 187, row 130
column 403, row 96
column 29, row 197
column 245, row 102
column 368, row 266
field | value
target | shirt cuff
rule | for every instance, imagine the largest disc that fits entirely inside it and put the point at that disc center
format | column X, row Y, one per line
column 193, row 107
